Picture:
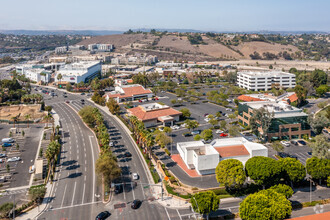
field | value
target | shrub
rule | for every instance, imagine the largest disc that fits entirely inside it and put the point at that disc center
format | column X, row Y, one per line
column 167, row 152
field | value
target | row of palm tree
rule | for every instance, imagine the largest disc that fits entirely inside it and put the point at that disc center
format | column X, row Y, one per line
column 141, row 134
column 35, row 98
column 51, row 155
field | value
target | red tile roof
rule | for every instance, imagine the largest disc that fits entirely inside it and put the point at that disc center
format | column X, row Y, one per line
column 292, row 98
column 321, row 216
column 177, row 158
column 247, row 98
column 143, row 115
column 231, row 151
column 130, row 92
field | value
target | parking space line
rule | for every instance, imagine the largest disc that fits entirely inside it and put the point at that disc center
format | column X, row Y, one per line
column 144, row 197
column 179, row 214
column 167, row 213
column 63, row 196
column 74, row 192
column 132, row 190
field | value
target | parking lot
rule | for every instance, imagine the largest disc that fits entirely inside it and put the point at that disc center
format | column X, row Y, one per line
column 18, row 171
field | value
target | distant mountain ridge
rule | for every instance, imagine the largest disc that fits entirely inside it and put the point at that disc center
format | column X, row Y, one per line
column 112, row 32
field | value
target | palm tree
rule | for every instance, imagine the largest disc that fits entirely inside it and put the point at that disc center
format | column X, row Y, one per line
column 14, row 120
column 27, row 117
column 59, row 77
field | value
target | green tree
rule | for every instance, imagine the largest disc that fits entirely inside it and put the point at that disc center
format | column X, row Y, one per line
column 59, row 77
column 318, row 122
column 68, row 87
column 205, row 202
column 106, row 166
column 213, row 122
column 322, row 89
column 277, row 146
column 263, row 170
column 173, row 101
column 5, row 209
column 113, row 106
column 321, row 147
column 293, row 169
column 230, row 172
column 223, row 124
column 27, row 118
column 37, row 193
column 261, row 118
column 318, row 168
column 265, row 205
column 185, row 112
column 167, row 130
column 283, row 189
column 234, row 131
column 95, row 84
column 191, row 124
column 301, row 93
column 197, row 137
column 207, row 134
column 162, row 139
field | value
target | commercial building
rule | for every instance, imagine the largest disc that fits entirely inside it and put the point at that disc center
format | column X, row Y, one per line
column 288, row 97
column 204, row 158
column 288, row 122
column 79, row 72
column 257, row 81
column 36, row 73
column 100, row 47
column 154, row 113
column 128, row 93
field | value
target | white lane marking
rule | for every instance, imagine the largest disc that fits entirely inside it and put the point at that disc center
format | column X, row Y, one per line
column 63, row 196
column 132, row 190
column 93, row 164
column 74, row 192
column 83, row 196
column 143, row 191
column 179, row 214
column 167, row 213
column 71, row 206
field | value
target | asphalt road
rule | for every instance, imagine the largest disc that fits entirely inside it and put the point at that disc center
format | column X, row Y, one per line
column 75, row 194
column 312, row 103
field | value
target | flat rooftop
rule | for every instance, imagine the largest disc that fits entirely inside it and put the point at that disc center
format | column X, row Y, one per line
column 268, row 73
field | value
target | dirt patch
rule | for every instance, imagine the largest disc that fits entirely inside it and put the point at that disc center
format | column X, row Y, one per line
column 8, row 112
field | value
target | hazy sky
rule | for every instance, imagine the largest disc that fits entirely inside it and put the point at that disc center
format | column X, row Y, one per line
column 212, row 15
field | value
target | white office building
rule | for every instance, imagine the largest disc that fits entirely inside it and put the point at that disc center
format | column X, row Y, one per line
column 257, row 81
column 100, row 47
column 204, row 158
column 35, row 73
column 79, row 72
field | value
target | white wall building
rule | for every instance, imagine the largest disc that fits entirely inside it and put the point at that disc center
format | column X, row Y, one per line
column 204, row 158
column 35, row 73
column 100, row 47
column 79, row 72
column 264, row 80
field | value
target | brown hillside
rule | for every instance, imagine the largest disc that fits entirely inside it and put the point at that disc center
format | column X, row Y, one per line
column 248, row 48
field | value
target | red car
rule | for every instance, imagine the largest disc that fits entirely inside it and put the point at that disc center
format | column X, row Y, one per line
column 223, row 135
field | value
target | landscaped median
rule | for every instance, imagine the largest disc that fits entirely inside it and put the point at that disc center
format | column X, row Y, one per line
column 106, row 165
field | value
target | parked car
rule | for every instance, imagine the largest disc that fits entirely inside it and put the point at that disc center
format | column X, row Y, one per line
column 285, row 143
column 223, row 135
column 2, row 155
column 206, row 119
column 206, row 114
column 111, row 144
column 6, row 144
column 118, row 188
column 183, row 125
column 1, row 160
column 7, row 140
column 187, row 134
column 301, row 142
column 67, row 101
column 135, row 176
column 103, row 215
column 195, row 132
column 82, row 93
column 161, row 128
column 128, row 154
column 175, row 127
column 14, row 159
column 294, row 142
column 283, row 154
column 136, row 204
column 31, row 169
column 219, row 132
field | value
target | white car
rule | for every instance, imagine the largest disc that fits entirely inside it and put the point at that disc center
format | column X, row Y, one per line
column 206, row 119
column 175, row 127
column 183, row 125
column 31, row 169
column 219, row 132
column 111, row 144
column 135, row 176
column 161, row 128
column 285, row 143
column 13, row 159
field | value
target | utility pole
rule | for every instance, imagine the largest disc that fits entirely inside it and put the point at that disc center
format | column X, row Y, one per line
column 162, row 191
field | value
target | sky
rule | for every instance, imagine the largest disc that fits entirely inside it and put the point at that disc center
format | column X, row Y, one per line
column 204, row 15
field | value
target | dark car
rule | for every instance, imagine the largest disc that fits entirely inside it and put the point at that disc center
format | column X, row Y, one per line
column 186, row 134
column 283, row 154
column 82, row 93
column 128, row 154
column 301, row 142
column 294, row 142
column 136, row 204
column 103, row 215
column 118, row 189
